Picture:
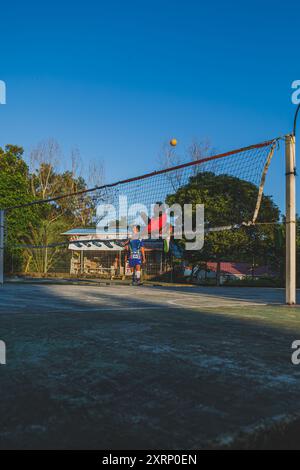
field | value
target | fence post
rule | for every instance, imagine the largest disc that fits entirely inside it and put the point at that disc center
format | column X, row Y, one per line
column 290, row 201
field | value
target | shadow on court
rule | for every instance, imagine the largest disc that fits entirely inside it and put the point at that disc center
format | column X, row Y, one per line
column 109, row 367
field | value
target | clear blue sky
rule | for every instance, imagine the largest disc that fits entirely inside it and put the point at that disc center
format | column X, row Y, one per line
column 117, row 79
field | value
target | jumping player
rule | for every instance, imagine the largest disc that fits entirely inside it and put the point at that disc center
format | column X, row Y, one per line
column 136, row 257
column 157, row 224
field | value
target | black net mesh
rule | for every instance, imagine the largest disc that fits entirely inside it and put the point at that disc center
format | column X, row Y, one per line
column 221, row 172
column 229, row 185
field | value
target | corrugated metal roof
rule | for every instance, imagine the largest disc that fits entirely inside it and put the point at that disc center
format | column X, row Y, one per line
column 91, row 231
column 241, row 269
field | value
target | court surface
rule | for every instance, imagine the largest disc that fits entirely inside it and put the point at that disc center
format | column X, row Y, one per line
column 111, row 366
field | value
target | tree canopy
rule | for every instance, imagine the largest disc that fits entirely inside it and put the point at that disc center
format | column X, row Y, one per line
column 14, row 190
column 228, row 201
column 39, row 225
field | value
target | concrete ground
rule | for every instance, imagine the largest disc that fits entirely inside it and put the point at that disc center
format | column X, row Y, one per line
column 118, row 367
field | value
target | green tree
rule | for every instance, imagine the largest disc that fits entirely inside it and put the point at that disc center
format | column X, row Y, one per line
column 40, row 225
column 228, row 201
column 14, row 190
column 48, row 182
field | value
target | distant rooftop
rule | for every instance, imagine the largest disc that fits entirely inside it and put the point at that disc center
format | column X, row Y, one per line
column 242, row 269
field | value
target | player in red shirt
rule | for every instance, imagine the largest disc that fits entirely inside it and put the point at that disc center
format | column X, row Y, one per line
column 157, row 224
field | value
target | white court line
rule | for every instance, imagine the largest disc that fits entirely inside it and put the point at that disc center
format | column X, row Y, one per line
column 200, row 296
column 93, row 309
column 113, row 309
column 214, row 303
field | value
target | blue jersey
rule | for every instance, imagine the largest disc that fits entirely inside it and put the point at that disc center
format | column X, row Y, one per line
column 135, row 249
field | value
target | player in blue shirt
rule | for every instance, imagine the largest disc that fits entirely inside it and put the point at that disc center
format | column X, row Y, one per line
column 136, row 256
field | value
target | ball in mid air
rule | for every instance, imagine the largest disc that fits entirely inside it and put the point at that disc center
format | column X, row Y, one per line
column 173, row 142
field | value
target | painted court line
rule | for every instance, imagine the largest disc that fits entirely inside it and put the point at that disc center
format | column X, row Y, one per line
column 213, row 303
column 113, row 309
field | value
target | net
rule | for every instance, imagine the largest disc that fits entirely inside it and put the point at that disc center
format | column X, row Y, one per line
column 248, row 164
column 212, row 174
column 230, row 185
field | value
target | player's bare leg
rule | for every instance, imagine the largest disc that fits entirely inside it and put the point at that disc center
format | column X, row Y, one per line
column 138, row 275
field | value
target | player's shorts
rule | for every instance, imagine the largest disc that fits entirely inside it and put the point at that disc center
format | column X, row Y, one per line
column 133, row 262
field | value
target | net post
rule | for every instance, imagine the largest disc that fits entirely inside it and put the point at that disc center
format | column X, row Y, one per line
column 290, row 201
column 2, row 219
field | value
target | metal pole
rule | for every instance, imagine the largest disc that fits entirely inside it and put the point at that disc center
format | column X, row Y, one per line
column 81, row 262
column 2, row 247
column 290, row 162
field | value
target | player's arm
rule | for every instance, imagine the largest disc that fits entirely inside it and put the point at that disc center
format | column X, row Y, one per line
column 143, row 254
column 126, row 248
